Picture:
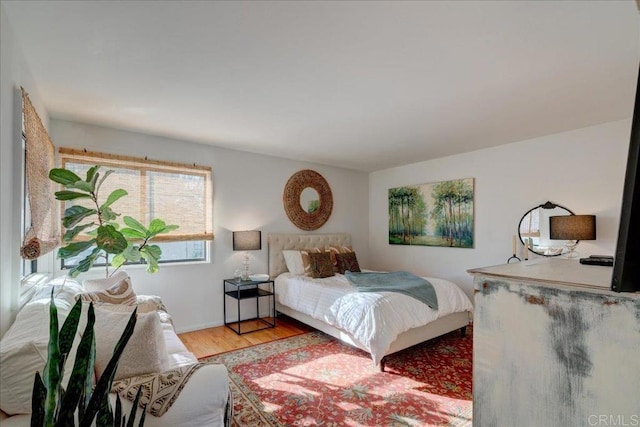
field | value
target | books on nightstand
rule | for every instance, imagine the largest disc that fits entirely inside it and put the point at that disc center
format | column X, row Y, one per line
column 605, row 260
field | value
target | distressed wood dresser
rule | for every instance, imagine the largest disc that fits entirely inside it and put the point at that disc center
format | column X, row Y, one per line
column 553, row 346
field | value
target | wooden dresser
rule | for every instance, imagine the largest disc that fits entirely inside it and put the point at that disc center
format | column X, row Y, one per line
column 553, row 346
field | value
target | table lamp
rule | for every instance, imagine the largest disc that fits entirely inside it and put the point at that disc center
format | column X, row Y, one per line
column 250, row 240
column 572, row 228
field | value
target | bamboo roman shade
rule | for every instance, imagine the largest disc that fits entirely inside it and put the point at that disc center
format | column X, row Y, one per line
column 42, row 236
column 173, row 192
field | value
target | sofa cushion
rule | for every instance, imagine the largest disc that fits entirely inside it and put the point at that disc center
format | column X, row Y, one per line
column 23, row 351
column 18, row 366
column 146, row 350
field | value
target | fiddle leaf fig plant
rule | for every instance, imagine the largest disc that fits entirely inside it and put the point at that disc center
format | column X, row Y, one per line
column 95, row 226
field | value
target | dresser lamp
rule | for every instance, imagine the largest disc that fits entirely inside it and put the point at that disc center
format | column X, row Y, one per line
column 247, row 241
column 572, row 228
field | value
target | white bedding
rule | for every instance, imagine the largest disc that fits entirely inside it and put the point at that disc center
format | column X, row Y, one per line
column 373, row 319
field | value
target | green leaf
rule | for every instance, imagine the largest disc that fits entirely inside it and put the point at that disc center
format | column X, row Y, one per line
column 134, row 408
column 63, row 176
column 132, row 253
column 113, row 197
column 117, row 415
column 86, row 264
column 38, row 397
column 156, row 226
column 135, row 225
column 154, row 250
column 73, row 249
column 111, row 240
column 84, row 186
column 75, row 214
column 51, row 378
column 151, row 255
column 82, row 368
column 118, row 260
column 69, row 328
column 106, row 174
column 92, row 176
column 134, row 234
column 69, row 235
column 71, row 195
column 109, row 215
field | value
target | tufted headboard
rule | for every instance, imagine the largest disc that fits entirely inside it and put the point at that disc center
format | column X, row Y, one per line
column 276, row 243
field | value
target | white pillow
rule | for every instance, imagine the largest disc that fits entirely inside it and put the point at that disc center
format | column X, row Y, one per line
column 119, row 290
column 293, row 259
column 146, row 351
column 64, row 288
column 30, row 285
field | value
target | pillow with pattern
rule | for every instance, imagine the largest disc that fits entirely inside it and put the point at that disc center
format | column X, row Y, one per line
column 321, row 265
column 347, row 262
column 306, row 261
column 335, row 250
column 119, row 292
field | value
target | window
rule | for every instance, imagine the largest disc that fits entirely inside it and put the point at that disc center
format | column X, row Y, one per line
column 176, row 193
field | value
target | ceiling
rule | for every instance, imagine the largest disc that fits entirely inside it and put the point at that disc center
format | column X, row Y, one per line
column 361, row 85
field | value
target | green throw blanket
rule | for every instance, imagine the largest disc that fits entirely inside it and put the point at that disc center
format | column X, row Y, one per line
column 399, row 281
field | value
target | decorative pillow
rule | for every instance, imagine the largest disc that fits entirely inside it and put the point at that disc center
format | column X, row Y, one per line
column 120, row 291
column 145, row 352
column 347, row 262
column 335, row 250
column 306, row 261
column 321, row 265
column 94, row 285
column 293, row 259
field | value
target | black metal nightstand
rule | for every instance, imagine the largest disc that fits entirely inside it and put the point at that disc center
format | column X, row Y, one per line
column 247, row 289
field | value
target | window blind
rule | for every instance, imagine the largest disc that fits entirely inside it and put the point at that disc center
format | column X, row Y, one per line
column 176, row 193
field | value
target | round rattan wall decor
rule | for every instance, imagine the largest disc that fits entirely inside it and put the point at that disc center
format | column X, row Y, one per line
column 318, row 211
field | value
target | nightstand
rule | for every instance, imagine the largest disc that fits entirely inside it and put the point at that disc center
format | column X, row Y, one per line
column 250, row 289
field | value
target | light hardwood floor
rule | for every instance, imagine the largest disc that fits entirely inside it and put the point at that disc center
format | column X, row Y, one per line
column 211, row 341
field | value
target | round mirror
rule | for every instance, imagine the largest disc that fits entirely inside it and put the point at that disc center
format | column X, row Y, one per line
column 307, row 199
column 534, row 229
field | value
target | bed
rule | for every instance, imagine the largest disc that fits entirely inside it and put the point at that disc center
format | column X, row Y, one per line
column 320, row 303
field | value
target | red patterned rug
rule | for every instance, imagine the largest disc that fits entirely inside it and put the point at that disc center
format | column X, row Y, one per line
column 314, row 380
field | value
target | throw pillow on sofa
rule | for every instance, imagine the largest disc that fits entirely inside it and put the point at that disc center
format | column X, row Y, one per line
column 117, row 289
column 146, row 350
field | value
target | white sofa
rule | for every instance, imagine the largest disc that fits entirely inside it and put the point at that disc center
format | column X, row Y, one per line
column 204, row 401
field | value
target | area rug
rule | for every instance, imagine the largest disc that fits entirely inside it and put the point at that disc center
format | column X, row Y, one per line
column 314, row 380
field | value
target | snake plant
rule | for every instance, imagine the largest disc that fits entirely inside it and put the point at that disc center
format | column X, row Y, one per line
column 52, row 403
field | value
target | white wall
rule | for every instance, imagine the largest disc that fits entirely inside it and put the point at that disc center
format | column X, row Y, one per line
column 247, row 191
column 13, row 74
column 581, row 169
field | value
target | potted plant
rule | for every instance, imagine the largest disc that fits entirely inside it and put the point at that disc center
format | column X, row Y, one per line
column 52, row 404
column 96, row 221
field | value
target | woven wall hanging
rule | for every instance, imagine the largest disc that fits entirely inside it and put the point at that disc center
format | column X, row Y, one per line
column 315, row 212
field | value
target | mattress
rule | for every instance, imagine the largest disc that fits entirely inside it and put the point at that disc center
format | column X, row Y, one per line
column 373, row 319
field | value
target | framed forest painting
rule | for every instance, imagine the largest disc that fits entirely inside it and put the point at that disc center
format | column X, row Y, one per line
column 435, row 214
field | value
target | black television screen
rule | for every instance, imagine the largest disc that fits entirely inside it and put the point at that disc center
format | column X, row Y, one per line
column 626, row 267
